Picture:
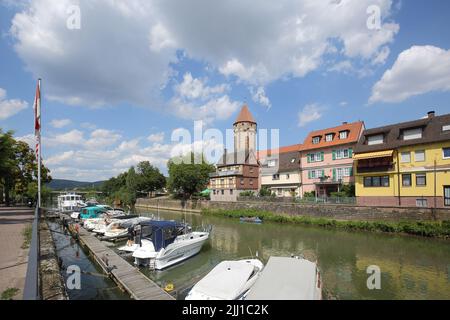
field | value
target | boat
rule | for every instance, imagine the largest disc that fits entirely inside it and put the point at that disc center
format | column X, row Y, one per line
column 119, row 228
column 285, row 278
column 172, row 242
column 98, row 225
column 251, row 219
column 69, row 202
column 229, row 280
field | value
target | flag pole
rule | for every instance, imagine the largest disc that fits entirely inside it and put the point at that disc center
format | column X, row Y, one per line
column 39, row 149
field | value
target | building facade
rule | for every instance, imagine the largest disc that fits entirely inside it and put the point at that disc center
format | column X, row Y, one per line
column 326, row 158
column 238, row 171
column 405, row 164
column 280, row 171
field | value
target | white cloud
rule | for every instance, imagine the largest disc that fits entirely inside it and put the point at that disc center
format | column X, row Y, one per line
column 257, row 44
column 102, row 138
column 60, row 158
column 310, row 113
column 260, row 97
column 193, row 88
column 30, row 139
column 8, row 108
column 156, row 137
column 60, row 123
column 343, row 103
column 417, row 70
column 71, row 138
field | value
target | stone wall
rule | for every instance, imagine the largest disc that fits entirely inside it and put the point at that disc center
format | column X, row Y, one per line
column 330, row 211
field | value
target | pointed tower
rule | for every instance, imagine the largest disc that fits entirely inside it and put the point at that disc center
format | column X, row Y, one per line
column 245, row 131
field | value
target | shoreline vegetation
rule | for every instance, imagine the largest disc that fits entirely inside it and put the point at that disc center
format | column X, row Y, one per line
column 431, row 229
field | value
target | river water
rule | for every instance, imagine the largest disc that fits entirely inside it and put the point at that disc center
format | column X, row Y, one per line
column 411, row 267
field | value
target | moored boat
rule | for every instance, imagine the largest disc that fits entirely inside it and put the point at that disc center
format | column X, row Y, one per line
column 69, row 202
column 251, row 219
column 229, row 280
column 172, row 243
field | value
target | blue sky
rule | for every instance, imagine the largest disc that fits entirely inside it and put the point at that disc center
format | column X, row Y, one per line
column 117, row 87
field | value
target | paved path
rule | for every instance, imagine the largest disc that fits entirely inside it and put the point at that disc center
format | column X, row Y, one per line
column 13, row 259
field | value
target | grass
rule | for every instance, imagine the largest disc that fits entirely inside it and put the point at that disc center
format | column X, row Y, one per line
column 9, row 293
column 437, row 229
column 27, row 236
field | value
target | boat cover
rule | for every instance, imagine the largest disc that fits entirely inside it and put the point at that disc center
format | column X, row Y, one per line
column 226, row 280
column 285, row 279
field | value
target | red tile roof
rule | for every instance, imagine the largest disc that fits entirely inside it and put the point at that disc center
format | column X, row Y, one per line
column 245, row 115
column 293, row 148
column 354, row 132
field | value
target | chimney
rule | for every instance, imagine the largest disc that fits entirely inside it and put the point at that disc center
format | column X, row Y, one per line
column 225, row 156
column 431, row 114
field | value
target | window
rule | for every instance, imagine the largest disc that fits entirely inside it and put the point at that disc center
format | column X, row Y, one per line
column 287, row 176
column 315, row 174
column 446, row 153
column 242, row 180
column 316, row 140
column 421, row 179
column 343, row 134
column 406, row 180
column 214, row 191
column 231, row 191
column 276, row 177
column 446, row 127
column 339, row 173
column 447, row 196
column 222, row 192
column 405, row 157
column 251, row 170
column 272, row 163
column 251, row 182
column 347, row 172
column 421, row 203
column 412, row 134
column 329, row 137
column 312, row 174
column 382, row 181
column 419, row 155
column 376, row 139
column 315, row 157
column 342, row 154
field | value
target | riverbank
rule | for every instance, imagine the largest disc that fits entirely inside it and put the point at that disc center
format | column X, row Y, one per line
column 436, row 229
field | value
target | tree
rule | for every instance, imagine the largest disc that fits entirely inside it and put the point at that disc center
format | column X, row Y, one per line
column 18, row 167
column 265, row 192
column 185, row 179
column 149, row 178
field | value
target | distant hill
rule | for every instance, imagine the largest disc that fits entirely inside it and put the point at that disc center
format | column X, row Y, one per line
column 61, row 184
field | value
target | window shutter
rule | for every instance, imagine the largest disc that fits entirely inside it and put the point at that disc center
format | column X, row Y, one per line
column 351, row 170
column 321, row 156
column 334, row 154
column 334, row 174
column 323, row 173
column 309, row 172
column 350, row 153
column 308, row 158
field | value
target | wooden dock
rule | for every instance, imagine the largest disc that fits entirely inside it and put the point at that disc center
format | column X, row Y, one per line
column 127, row 277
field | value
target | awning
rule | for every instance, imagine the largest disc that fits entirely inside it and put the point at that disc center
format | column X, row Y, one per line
column 371, row 155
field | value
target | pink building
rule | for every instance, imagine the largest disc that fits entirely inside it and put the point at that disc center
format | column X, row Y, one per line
column 326, row 158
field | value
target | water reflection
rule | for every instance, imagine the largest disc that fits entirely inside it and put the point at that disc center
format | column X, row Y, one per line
column 411, row 267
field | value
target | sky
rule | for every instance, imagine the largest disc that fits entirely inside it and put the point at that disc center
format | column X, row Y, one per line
column 121, row 80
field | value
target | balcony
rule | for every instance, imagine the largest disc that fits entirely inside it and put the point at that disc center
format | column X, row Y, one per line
column 225, row 173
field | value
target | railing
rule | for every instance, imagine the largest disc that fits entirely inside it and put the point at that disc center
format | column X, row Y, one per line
column 31, row 290
column 224, row 173
column 304, row 200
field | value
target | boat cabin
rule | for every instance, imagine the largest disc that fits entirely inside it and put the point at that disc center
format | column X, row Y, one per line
column 162, row 233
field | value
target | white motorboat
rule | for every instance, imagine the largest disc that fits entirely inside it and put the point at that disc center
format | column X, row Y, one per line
column 287, row 278
column 105, row 219
column 69, row 202
column 229, row 280
column 172, row 243
column 118, row 228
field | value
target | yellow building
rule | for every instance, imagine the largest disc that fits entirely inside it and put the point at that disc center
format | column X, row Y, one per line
column 405, row 164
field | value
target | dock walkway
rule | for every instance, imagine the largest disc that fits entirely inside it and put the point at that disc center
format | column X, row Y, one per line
column 125, row 275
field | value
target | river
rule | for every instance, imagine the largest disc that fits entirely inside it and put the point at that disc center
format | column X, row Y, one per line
column 411, row 267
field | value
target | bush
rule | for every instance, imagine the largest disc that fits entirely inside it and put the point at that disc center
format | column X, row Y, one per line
column 264, row 192
column 247, row 194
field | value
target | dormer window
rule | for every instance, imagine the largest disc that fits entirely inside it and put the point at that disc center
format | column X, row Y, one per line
column 375, row 139
column 329, row 137
column 343, row 134
column 446, row 127
column 411, row 134
column 316, row 140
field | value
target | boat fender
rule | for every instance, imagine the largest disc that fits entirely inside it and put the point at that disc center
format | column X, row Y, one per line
column 169, row 287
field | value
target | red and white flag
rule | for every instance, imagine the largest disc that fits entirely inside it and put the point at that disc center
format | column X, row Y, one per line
column 37, row 116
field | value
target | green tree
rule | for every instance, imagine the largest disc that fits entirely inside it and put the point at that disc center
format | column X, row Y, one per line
column 18, row 167
column 265, row 192
column 150, row 179
column 188, row 177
